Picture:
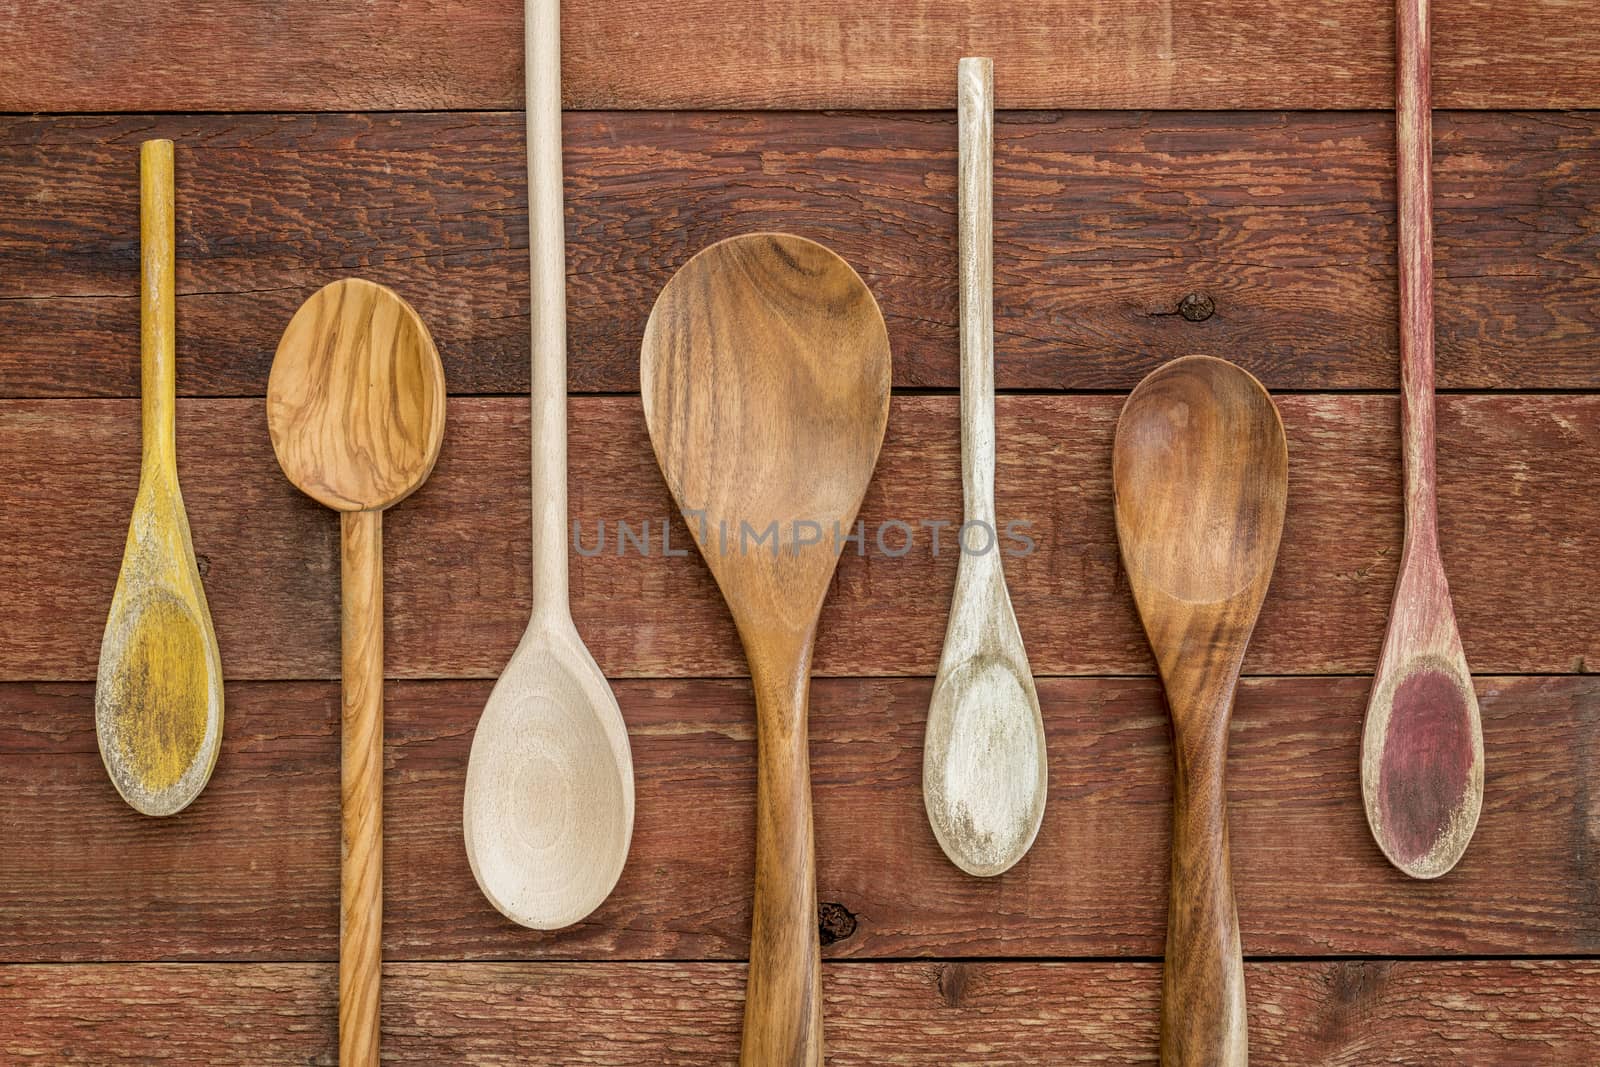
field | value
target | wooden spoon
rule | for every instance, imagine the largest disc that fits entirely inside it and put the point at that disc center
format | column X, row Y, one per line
column 548, row 812
column 765, row 376
column 984, row 771
column 1422, row 744
column 355, row 405
column 1200, row 471
column 158, row 699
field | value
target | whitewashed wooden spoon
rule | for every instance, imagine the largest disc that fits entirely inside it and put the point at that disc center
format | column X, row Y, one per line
column 548, row 813
column 984, row 772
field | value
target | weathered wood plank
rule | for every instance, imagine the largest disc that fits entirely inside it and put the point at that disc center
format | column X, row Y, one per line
column 953, row 1014
column 1519, row 480
column 1104, row 222
column 83, row 878
column 237, row 55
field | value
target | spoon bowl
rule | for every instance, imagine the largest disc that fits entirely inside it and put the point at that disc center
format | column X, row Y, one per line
column 355, row 400
column 1200, row 470
column 765, row 379
column 548, row 812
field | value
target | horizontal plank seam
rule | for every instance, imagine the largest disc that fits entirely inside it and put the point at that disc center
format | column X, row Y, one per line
column 898, row 109
column 674, row 679
column 911, row 391
column 840, row 961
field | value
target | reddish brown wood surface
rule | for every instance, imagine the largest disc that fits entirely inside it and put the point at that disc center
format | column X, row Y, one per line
column 236, row 55
column 1283, row 222
column 1278, row 228
column 83, row 878
column 1519, row 494
column 949, row 1014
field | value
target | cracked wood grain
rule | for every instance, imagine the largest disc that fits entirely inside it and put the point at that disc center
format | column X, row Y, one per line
column 390, row 55
column 1104, row 225
column 1519, row 485
column 933, row 1013
column 267, row 832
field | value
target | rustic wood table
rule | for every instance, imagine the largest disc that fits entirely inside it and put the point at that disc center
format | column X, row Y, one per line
column 1226, row 186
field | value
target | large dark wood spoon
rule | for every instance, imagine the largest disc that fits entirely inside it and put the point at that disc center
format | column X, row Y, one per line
column 1200, row 471
column 765, row 376
column 1422, row 742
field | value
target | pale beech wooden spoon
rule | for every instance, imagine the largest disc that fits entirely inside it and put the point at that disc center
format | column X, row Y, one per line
column 984, row 770
column 548, row 811
column 1200, row 471
column 158, row 697
column 355, row 405
column 1422, row 742
column 765, row 378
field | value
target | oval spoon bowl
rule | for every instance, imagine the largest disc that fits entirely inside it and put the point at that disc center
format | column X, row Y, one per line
column 548, row 812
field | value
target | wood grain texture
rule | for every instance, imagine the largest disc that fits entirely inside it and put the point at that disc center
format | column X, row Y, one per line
column 984, row 768
column 1422, row 746
column 360, row 786
column 158, row 701
column 355, row 399
column 548, row 812
column 1519, row 480
column 1094, row 883
column 388, row 55
column 944, row 1013
column 1200, row 469
column 1281, row 226
column 765, row 373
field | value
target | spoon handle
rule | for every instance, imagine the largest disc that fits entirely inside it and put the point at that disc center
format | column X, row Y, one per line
column 157, row 299
column 783, row 1002
column 548, row 308
column 975, row 79
column 1414, row 149
column 1202, row 983
column 361, row 787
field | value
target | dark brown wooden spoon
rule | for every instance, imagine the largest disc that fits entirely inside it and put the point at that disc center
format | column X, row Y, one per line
column 765, row 377
column 1200, row 470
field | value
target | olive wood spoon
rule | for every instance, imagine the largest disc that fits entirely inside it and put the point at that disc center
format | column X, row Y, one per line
column 984, row 769
column 765, row 379
column 1422, row 742
column 548, row 811
column 1200, row 474
column 158, row 697
column 355, row 406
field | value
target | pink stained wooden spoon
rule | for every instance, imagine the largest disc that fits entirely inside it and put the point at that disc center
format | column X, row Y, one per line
column 1422, row 745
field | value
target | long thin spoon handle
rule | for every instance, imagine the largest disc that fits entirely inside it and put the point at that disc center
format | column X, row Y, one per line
column 975, row 78
column 1414, row 147
column 361, row 788
column 548, row 263
column 157, row 297
column 1202, row 983
column 783, row 1001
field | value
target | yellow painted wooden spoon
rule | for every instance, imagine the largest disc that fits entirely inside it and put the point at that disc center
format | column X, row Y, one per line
column 158, row 698
column 355, row 405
